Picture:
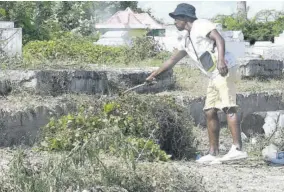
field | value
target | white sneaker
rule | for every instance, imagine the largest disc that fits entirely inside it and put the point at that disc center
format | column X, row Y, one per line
column 234, row 154
column 206, row 159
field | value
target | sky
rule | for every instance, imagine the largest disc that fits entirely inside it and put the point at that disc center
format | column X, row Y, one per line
column 207, row 9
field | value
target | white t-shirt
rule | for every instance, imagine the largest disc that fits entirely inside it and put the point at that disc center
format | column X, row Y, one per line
column 202, row 43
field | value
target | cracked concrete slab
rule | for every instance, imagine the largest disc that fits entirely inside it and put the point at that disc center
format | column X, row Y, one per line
column 97, row 81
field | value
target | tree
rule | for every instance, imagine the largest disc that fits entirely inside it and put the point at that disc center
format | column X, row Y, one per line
column 29, row 16
column 133, row 5
column 260, row 28
column 44, row 20
column 267, row 15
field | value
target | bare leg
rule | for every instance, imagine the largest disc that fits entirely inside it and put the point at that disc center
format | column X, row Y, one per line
column 232, row 120
column 213, row 131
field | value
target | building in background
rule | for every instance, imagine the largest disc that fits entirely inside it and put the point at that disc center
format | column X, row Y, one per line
column 10, row 39
column 124, row 25
column 136, row 24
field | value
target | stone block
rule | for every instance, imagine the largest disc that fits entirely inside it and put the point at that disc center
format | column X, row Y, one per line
column 260, row 68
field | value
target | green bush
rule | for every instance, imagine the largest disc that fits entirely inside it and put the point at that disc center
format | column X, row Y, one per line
column 142, row 48
column 82, row 49
column 72, row 48
column 255, row 29
column 164, row 55
column 126, row 126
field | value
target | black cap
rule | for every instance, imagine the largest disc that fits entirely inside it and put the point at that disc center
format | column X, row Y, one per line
column 184, row 9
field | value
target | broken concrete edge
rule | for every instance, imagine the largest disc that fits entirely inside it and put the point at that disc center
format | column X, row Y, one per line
column 23, row 126
column 268, row 123
column 21, row 117
column 100, row 81
column 248, row 61
column 261, row 68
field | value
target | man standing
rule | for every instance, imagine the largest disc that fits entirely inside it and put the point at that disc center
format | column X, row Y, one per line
column 206, row 46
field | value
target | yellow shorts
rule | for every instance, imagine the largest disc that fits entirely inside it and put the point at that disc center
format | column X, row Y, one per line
column 221, row 91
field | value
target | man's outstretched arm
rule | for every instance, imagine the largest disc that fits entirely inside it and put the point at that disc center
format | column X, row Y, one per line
column 176, row 57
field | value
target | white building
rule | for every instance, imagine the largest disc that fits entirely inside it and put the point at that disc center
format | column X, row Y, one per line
column 280, row 39
column 10, row 39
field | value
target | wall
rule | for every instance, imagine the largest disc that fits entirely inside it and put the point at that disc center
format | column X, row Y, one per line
column 6, row 24
column 137, row 32
column 98, row 81
column 248, row 103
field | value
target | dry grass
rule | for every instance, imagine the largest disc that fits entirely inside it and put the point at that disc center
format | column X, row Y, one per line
column 66, row 63
column 193, row 81
column 190, row 80
column 87, row 167
column 64, row 172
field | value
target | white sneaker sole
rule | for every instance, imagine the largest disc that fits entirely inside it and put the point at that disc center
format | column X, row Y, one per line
column 205, row 162
column 243, row 156
column 215, row 162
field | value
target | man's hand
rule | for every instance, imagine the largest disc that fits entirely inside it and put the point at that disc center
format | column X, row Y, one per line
column 220, row 43
column 150, row 80
column 222, row 68
column 176, row 57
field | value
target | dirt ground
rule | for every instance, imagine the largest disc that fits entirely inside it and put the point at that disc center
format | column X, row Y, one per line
column 252, row 174
column 241, row 176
